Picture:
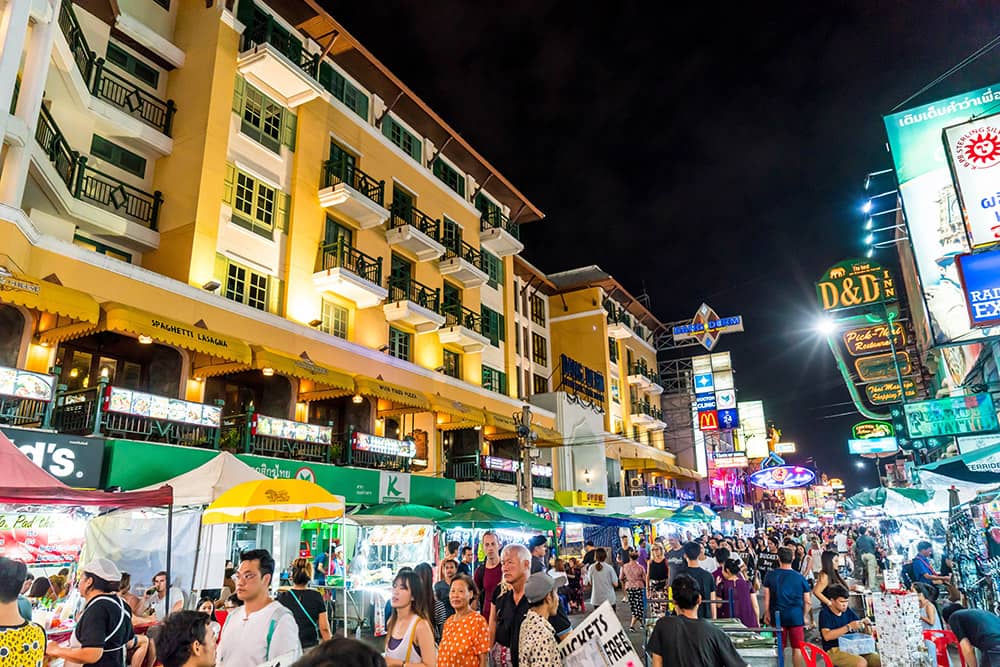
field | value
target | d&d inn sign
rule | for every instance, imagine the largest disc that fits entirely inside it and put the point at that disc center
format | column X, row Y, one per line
column 853, row 283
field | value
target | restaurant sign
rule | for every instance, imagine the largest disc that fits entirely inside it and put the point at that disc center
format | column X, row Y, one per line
column 881, row 393
column 272, row 427
column 366, row 442
column 730, row 460
column 872, row 429
column 955, row 415
column 706, row 327
column 881, row 367
column 75, row 460
column 139, row 404
column 18, row 383
column 868, row 340
column 41, row 539
column 853, row 283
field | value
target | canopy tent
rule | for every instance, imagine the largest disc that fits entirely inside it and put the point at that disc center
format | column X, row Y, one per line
column 481, row 511
column 933, row 481
column 693, row 512
column 551, row 505
column 210, row 480
column 897, row 502
column 657, row 514
column 273, row 500
column 611, row 521
column 397, row 513
column 979, row 466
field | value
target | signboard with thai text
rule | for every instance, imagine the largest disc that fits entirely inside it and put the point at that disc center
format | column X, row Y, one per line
column 973, row 151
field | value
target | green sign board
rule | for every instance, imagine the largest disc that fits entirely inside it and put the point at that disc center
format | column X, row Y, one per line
column 955, row 415
column 853, row 283
column 134, row 465
column 872, row 429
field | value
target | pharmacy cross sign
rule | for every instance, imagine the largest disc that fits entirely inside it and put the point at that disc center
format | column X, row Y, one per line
column 706, row 327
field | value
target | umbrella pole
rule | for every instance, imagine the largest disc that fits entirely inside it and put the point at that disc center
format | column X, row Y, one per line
column 343, row 579
column 170, row 539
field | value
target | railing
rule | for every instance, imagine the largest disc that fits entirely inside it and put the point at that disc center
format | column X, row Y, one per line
column 541, row 481
column 640, row 368
column 465, row 251
column 237, row 438
column 463, row 469
column 24, row 412
column 116, row 196
column 418, row 293
column 133, row 100
column 118, row 425
column 459, row 315
column 342, row 255
column 52, row 141
column 498, row 476
column 79, row 411
column 654, row 491
column 265, row 33
column 641, row 407
column 404, row 214
column 494, row 218
column 70, row 27
column 344, row 171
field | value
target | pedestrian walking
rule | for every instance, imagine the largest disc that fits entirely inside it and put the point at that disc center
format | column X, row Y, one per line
column 409, row 640
column 786, row 597
column 634, row 576
column 509, row 606
column 537, row 640
column 603, row 581
column 307, row 606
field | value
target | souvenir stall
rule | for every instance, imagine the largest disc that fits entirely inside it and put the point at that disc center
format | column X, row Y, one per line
column 897, row 622
column 974, row 547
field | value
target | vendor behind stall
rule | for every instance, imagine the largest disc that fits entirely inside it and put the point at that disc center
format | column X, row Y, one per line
column 836, row 621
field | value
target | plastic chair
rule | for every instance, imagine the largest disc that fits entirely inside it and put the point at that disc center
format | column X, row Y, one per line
column 812, row 653
column 941, row 639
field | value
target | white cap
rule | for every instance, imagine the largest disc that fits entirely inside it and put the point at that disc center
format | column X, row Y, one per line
column 103, row 568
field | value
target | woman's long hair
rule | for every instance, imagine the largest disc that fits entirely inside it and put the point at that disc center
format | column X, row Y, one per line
column 413, row 582
column 601, row 556
column 830, row 568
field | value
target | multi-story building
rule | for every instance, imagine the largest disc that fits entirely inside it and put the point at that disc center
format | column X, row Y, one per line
column 235, row 204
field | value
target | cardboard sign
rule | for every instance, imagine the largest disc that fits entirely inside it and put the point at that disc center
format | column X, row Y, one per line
column 600, row 633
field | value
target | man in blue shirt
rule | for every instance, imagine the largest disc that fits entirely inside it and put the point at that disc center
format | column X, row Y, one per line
column 923, row 570
column 836, row 621
column 786, row 593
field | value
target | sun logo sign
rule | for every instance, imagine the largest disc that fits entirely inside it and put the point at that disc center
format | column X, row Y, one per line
column 979, row 148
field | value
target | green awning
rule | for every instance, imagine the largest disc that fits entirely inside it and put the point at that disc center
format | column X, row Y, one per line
column 487, row 511
column 550, row 504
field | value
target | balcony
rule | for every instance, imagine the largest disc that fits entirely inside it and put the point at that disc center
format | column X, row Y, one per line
column 619, row 321
column 646, row 414
column 463, row 327
column 416, row 232
column 415, row 304
column 275, row 62
column 498, row 234
column 640, row 376
column 131, row 99
column 353, row 193
column 462, row 262
column 351, row 274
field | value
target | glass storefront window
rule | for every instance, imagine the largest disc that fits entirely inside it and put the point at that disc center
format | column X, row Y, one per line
column 78, row 376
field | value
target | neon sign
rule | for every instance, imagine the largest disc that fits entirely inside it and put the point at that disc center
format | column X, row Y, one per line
column 782, row 477
column 706, row 327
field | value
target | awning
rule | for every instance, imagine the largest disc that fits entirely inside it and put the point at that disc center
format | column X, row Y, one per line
column 302, row 367
column 666, row 469
column 367, row 386
column 462, row 415
column 501, row 422
column 550, row 504
column 21, row 290
column 67, row 332
column 546, row 434
column 172, row 332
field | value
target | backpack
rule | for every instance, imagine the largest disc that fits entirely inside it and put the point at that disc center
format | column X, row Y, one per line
column 907, row 575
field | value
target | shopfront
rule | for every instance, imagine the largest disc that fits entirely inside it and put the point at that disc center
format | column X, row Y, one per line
column 401, row 414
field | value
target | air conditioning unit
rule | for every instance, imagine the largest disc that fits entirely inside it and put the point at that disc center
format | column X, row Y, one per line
column 635, row 483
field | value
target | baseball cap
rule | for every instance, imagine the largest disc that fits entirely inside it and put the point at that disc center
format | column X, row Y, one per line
column 537, row 541
column 103, row 568
column 538, row 586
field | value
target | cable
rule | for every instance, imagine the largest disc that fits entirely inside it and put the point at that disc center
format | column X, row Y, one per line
column 975, row 55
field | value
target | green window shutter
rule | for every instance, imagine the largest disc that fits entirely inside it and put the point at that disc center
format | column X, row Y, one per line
column 275, row 296
column 501, row 331
column 284, row 206
column 289, row 123
column 239, row 90
column 245, row 13
column 228, row 185
column 221, row 270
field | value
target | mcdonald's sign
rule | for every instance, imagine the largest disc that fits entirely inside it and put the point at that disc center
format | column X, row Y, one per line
column 708, row 420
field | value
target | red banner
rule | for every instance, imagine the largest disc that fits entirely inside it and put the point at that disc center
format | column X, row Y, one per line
column 37, row 539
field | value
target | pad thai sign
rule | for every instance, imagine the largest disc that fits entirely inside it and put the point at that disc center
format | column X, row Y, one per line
column 38, row 539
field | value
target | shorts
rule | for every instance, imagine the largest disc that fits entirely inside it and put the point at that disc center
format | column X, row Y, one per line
column 794, row 636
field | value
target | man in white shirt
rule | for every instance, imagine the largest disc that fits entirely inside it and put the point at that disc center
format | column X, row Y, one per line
column 840, row 539
column 157, row 601
column 262, row 629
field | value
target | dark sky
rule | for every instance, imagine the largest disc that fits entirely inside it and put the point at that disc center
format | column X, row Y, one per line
column 702, row 155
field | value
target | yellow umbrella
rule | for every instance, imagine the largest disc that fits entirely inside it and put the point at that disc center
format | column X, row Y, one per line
column 270, row 500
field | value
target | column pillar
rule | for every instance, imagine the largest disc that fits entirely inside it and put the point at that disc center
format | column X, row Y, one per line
column 13, row 29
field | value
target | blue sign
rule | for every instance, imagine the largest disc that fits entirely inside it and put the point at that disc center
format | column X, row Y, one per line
column 782, row 477
column 705, row 402
column 580, row 380
column 981, row 284
column 886, row 445
column 703, row 382
column 729, row 418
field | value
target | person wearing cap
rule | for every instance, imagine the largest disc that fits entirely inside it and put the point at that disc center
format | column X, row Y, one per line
column 537, row 548
column 104, row 632
column 537, row 639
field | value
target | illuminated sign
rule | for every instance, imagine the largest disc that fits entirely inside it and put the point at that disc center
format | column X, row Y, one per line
column 881, row 393
column 705, row 402
column 973, row 151
column 580, row 499
column 139, row 404
column 728, row 418
column 836, row 483
column 853, row 283
column 885, row 445
column 708, row 421
column 582, row 381
column 872, row 429
column 868, row 340
column 881, row 367
column 782, row 477
column 730, row 460
column 366, row 442
column 703, row 382
column 784, row 448
column 980, row 275
column 956, row 415
column 752, row 434
column 725, row 399
column 706, row 327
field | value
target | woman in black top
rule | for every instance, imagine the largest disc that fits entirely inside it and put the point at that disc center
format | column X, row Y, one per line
column 306, row 605
column 657, row 568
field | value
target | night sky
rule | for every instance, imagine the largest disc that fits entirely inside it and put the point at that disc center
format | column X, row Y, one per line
column 714, row 155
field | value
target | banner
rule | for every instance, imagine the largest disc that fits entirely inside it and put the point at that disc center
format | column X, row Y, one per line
column 973, row 149
column 39, row 539
column 599, row 640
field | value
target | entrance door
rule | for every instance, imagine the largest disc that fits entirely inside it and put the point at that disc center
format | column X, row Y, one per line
column 400, row 274
column 335, row 230
column 451, row 300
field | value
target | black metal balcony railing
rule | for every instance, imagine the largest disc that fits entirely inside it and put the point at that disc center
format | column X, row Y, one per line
column 375, row 460
column 344, row 171
column 342, row 255
column 78, row 411
column 24, row 412
column 52, row 141
column 640, row 368
column 462, row 249
column 494, row 218
column 116, row 196
column 463, row 469
column 78, row 46
column 131, row 99
column 268, row 32
column 405, row 214
column 541, row 481
column 410, row 290
column 642, row 407
column 458, row 315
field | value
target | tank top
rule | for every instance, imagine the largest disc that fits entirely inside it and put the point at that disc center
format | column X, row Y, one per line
column 403, row 648
column 657, row 571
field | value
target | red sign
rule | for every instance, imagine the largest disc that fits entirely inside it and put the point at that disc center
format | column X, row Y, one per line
column 37, row 539
column 708, row 420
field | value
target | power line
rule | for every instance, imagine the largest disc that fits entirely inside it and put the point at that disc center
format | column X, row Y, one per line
column 975, row 55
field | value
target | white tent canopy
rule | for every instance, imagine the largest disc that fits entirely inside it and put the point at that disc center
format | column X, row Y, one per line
column 210, row 480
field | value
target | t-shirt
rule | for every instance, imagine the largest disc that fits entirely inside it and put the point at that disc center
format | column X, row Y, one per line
column 244, row 637
column 706, row 584
column 318, row 576
column 787, row 588
column 160, row 604
column 841, row 541
column 24, row 607
column 766, row 562
column 22, row 645
column 509, row 618
column 675, row 561
column 981, row 628
column 921, row 567
column 865, row 545
column 487, row 579
column 643, row 556
column 463, row 640
column 306, row 606
column 465, row 568
column 687, row 642
column 537, row 565
column 106, row 623
column 830, row 621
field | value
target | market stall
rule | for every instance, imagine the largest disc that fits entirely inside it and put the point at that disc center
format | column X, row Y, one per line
column 469, row 520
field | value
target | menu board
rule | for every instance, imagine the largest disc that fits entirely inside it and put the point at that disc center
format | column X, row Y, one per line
column 273, row 427
column 25, row 384
column 37, row 539
column 140, row 404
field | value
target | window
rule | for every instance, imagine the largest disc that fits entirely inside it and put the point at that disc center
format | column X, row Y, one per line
column 402, row 137
column 101, row 248
column 342, row 89
column 334, row 320
column 399, row 343
column 539, row 350
column 449, row 176
column 451, row 235
column 613, row 350
column 451, row 300
column 539, row 384
column 257, row 206
column 486, row 206
column 246, row 286
column 527, row 341
column 262, row 119
column 493, row 325
column 132, row 65
column 120, row 157
column 163, row 3
column 452, row 362
column 537, row 309
column 493, row 266
column 518, row 287
column 494, row 380
column 517, row 341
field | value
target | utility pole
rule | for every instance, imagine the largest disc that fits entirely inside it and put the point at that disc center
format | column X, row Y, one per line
column 525, row 440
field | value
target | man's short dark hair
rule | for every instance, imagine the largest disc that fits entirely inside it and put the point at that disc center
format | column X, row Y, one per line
column 263, row 556
column 161, row 573
column 862, row 530
column 537, row 541
column 950, row 609
column 102, row 585
column 722, row 554
column 923, row 544
column 785, row 555
column 837, row 591
column 342, row 652
column 466, row 550
column 180, row 630
column 685, row 590
column 772, row 538
column 692, row 550
column 453, row 546
column 13, row 574
column 588, row 543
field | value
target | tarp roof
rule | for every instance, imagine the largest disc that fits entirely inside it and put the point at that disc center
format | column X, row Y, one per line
column 209, row 480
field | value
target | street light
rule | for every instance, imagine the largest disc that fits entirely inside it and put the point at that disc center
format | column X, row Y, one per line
column 859, row 464
column 825, row 325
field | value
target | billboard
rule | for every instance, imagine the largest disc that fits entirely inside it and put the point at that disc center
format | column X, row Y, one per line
column 973, row 149
column 753, row 429
column 980, row 275
column 853, row 283
column 933, row 213
column 955, row 415
column 885, row 445
column 782, row 477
